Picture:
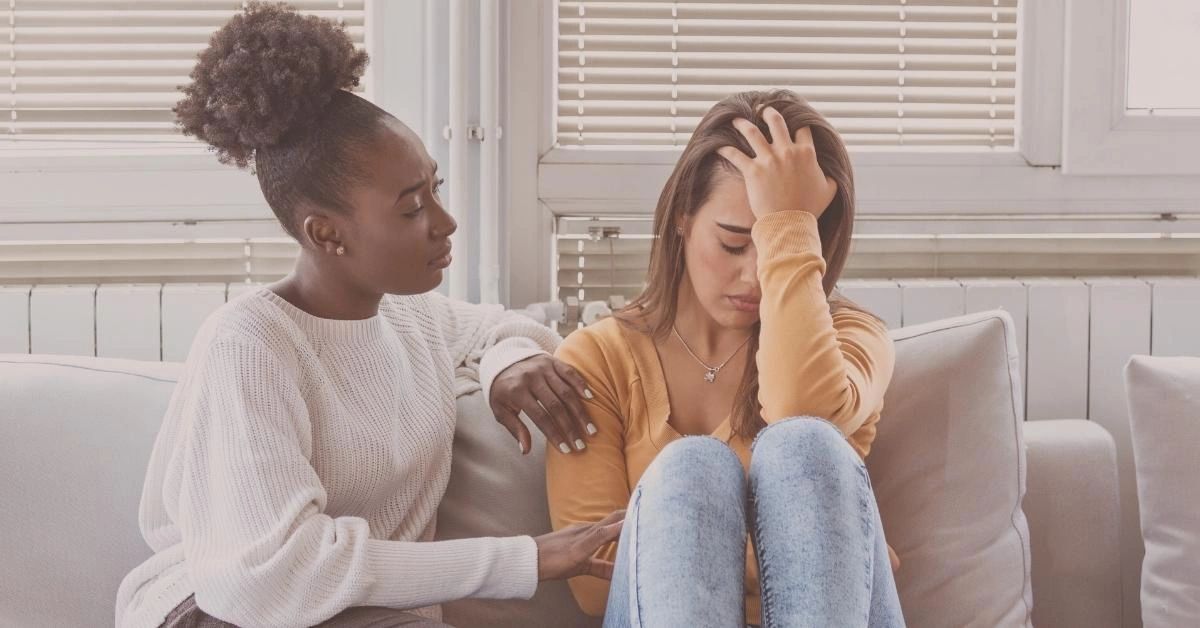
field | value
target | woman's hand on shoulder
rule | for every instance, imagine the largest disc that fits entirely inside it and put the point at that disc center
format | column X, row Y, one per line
column 783, row 174
column 548, row 392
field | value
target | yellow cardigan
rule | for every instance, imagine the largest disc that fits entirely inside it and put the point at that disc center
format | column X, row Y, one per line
column 810, row 363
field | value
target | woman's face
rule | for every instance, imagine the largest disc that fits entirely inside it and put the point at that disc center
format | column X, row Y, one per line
column 719, row 255
column 397, row 238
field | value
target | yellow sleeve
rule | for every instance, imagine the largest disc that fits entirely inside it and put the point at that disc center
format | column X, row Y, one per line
column 586, row 487
column 812, row 363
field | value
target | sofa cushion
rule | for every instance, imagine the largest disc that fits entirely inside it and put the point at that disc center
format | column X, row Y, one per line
column 494, row 491
column 1164, row 416
column 948, row 467
column 75, row 438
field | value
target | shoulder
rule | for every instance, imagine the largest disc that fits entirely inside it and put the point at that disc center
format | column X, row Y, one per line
column 604, row 340
column 600, row 350
column 251, row 325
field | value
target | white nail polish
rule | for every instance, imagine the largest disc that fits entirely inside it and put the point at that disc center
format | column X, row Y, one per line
column 591, row 429
column 587, row 393
column 579, row 444
column 565, row 448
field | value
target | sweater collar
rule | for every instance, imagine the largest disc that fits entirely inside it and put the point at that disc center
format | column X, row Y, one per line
column 327, row 329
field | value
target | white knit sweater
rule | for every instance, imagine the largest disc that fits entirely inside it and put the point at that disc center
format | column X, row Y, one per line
column 300, row 464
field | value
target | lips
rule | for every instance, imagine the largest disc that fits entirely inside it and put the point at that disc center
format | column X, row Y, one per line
column 443, row 258
column 745, row 303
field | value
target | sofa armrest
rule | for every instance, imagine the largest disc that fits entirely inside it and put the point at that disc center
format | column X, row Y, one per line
column 1072, row 505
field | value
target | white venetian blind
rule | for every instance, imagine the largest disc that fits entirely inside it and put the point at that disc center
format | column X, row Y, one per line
column 109, row 70
column 598, row 258
column 158, row 261
column 885, row 72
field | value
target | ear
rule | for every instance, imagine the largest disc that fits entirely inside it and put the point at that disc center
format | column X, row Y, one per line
column 684, row 225
column 321, row 232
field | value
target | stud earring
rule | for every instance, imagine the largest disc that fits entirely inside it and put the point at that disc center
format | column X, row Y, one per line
column 341, row 250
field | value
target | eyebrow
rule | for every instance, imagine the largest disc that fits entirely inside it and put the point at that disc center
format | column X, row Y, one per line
column 734, row 228
column 416, row 186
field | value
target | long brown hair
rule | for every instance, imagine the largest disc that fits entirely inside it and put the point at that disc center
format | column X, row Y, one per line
column 689, row 186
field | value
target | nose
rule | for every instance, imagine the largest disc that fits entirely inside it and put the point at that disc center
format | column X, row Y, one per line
column 445, row 225
column 748, row 272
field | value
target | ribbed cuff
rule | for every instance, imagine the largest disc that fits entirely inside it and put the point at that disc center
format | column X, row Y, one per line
column 525, row 567
column 502, row 355
column 417, row 574
column 787, row 232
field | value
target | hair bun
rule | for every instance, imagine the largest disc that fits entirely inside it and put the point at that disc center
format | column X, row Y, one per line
column 265, row 73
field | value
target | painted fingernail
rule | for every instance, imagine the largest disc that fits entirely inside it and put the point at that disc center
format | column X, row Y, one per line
column 587, row 393
column 591, row 429
column 579, row 444
column 563, row 447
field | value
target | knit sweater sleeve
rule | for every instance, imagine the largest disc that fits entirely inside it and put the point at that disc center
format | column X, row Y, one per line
column 259, row 547
column 486, row 339
column 812, row 362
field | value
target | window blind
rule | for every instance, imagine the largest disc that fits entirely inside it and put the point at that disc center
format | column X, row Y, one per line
column 601, row 257
column 884, row 72
column 156, row 261
column 109, row 71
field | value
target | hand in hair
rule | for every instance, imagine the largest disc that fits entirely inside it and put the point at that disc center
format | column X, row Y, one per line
column 784, row 173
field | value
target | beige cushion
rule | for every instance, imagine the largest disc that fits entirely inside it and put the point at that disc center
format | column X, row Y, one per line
column 948, row 469
column 494, row 491
column 75, row 435
column 1073, row 506
column 1164, row 414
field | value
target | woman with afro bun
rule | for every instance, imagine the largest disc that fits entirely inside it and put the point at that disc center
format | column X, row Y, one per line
column 297, row 473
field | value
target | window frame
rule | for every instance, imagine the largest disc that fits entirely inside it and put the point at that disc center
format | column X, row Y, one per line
column 949, row 189
column 111, row 190
column 1101, row 136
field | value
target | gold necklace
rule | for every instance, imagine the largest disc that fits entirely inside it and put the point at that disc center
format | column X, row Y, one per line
column 710, row 374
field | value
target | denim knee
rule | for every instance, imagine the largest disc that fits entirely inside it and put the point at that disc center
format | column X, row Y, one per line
column 803, row 440
column 698, row 460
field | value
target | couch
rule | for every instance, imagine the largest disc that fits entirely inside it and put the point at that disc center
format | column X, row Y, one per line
column 998, row 521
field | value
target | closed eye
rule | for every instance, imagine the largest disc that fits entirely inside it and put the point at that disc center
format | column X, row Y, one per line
column 735, row 250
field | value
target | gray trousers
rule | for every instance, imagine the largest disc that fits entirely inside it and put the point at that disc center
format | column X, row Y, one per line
column 188, row 615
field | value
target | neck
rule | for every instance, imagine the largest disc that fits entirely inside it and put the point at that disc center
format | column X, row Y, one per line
column 319, row 290
column 710, row 340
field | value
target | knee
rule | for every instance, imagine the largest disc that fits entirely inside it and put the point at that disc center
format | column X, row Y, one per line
column 803, row 441
column 696, row 461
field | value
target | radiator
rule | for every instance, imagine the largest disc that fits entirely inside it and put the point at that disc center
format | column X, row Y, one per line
column 1074, row 335
column 135, row 321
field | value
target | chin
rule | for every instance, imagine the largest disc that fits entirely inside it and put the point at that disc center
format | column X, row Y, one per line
column 737, row 319
column 429, row 282
column 435, row 280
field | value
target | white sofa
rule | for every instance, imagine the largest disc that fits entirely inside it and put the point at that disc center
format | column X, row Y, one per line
column 952, row 461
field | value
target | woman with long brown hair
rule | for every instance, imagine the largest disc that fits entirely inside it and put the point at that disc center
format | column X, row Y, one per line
column 738, row 395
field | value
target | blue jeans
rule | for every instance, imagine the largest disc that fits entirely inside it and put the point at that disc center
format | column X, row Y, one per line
column 822, row 558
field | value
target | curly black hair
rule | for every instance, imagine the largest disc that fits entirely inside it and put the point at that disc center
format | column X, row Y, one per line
column 272, row 91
